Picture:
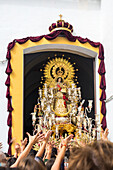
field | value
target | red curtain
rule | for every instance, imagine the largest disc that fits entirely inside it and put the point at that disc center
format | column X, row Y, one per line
column 51, row 36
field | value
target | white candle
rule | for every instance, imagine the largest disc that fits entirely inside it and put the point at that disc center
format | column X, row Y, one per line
column 57, row 129
column 79, row 108
column 75, row 92
column 78, row 118
column 45, row 85
column 45, row 92
column 44, row 120
column 51, row 91
column 74, row 119
column 79, row 90
column 40, row 93
column 73, row 85
column 96, row 117
column 94, row 132
column 42, row 104
column 69, row 91
column 53, row 116
column 90, row 103
column 89, row 122
column 90, row 129
column 48, row 108
column 40, row 121
column 33, row 116
column 82, row 112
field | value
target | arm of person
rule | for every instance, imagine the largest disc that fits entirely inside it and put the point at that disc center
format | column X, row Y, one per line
column 17, row 150
column 48, row 151
column 58, row 161
column 42, row 148
column 32, row 140
column 23, row 144
column 61, row 154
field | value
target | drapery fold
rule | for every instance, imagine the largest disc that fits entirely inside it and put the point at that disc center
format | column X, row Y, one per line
column 101, row 69
column 103, row 95
column 103, row 82
column 7, row 83
column 9, row 120
column 51, row 36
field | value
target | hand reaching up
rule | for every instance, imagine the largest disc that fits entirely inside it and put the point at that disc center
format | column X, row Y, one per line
column 17, row 148
column 23, row 144
column 66, row 140
column 45, row 140
column 61, row 154
column 34, row 139
column 105, row 134
column 47, row 136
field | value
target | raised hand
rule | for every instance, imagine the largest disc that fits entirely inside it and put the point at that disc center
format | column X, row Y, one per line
column 34, row 139
column 49, row 147
column 66, row 140
column 47, row 136
column 105, row 134
column 24, row 142
column 17, row 150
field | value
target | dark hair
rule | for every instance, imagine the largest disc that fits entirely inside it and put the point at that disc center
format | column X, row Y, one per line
column 29, row 163
column 39, row 159
column 11, row 161
column 50, row 163
column 32, row 153
column 60, row 78
column 54, row 153
column 8, row 168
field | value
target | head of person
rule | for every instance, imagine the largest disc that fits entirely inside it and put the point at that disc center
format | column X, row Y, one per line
column 3, row 160
column 50, row 163
column 30, row 163
column 54, row 152
column 11, row 161
column 85, row 158
column 105, row 151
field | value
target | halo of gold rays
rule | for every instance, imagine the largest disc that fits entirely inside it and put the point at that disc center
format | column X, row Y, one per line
column 51, row 75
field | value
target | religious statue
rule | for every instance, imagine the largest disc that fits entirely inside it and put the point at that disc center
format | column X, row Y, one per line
column 61, row 97
column 60, row 104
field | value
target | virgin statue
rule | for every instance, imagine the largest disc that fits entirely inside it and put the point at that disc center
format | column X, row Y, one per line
column 60, row 103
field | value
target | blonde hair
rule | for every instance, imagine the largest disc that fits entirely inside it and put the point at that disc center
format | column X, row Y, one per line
column 105, row 151
column 84, row 158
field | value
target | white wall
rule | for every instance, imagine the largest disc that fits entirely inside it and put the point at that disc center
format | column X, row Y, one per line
column 19, row 19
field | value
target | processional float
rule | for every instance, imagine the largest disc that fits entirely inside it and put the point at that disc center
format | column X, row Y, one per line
column 60, row 106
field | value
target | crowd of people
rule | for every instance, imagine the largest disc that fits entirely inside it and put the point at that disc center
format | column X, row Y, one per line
column 97, row 155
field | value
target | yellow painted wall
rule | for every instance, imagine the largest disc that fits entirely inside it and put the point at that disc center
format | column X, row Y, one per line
column 16, row 88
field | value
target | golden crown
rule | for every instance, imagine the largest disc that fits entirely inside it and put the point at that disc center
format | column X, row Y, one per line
column 61, row 25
